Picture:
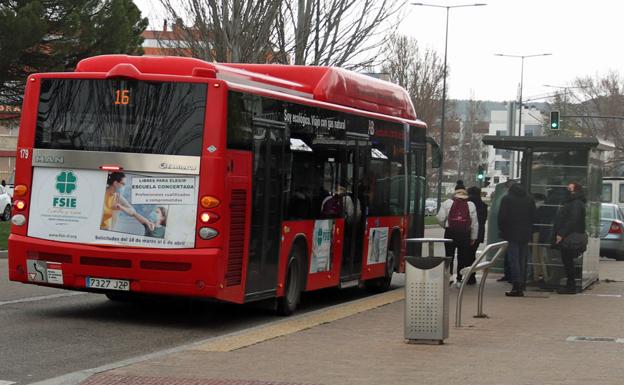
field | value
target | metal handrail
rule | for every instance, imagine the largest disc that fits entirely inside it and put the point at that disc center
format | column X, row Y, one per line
column 497, row 249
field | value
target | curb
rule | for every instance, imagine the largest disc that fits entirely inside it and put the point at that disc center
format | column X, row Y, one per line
column 4, row 253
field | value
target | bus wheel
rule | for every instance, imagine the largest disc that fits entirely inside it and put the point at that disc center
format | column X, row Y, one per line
column 379, row 285
column 287, row 304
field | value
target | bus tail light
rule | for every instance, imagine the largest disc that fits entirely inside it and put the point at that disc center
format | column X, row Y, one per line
column 19, row 205
column 207, row 233
column 209, row 202
column 208, row 217
column 20, row 190
column 18, row 219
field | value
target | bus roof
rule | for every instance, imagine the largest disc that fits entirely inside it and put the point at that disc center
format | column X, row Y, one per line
column 327, row 84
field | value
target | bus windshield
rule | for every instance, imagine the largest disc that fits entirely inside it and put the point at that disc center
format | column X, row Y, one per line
column 121, row 115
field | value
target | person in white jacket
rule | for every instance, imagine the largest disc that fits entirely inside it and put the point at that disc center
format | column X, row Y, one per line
column 458, row 216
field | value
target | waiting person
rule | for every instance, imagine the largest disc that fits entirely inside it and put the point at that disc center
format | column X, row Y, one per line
column 458, row 216
column 569, row 233
column 515, row 221
column 474, row 196
column 3, row 183
column 496, row 202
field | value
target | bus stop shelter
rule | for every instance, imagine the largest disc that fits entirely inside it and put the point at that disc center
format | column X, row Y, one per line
column 547, row 165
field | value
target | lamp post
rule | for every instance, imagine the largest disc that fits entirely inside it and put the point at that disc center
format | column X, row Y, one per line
column 522, row 57
column 448, row 8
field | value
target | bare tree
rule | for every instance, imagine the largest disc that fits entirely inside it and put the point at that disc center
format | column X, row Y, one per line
column 471, row 145
column 238, row 31
column 342, row 33
column 595, row 106
column 421, row 73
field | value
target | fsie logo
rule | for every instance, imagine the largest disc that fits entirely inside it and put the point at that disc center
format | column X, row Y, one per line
column 65, row 185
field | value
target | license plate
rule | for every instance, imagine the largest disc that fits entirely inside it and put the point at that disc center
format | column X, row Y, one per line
column 108, row 284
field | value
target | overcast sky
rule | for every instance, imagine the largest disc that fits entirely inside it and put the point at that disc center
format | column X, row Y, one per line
column 584, row 38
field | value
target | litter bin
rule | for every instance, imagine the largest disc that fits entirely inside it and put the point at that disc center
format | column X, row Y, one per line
column 426, row 297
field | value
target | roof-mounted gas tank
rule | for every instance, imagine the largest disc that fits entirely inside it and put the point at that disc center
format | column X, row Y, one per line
column 328, row 84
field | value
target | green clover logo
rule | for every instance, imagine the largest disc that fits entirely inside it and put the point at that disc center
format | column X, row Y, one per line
column 66, row 182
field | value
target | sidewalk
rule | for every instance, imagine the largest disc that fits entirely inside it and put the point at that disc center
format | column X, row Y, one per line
column 525, row 341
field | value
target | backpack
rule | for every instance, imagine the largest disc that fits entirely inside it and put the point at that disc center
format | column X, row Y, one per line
column 333, row 206
column 459, row 217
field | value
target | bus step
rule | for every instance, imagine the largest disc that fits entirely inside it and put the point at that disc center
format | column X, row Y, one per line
column 347, row 284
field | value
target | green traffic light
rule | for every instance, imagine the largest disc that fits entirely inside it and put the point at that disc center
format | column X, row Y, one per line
column 480, row 176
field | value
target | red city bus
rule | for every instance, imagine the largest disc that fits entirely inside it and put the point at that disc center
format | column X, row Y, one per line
column 174, row 176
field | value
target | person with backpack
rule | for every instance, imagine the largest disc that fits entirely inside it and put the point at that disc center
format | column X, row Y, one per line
column 458, row 216
column 515, row 222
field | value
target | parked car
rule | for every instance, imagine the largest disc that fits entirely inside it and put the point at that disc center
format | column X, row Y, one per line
column 613, row 190
column 611, row 231
column 431, row 206
column 5, row 204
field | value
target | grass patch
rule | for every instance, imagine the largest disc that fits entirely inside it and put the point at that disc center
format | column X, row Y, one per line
column 5, row 227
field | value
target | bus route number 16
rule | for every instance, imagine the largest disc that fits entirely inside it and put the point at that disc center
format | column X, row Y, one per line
column 122, row 97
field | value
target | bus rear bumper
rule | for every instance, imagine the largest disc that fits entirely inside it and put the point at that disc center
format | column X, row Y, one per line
column 183, row 272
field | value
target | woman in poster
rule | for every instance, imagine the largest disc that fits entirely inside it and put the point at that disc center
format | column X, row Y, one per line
column 114, row 202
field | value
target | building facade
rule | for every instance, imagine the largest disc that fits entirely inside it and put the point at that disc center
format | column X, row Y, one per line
column 503, row 164
column 9, row 127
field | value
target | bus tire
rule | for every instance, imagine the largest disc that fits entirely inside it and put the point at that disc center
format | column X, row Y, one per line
column 287, row 304
column 380, row 285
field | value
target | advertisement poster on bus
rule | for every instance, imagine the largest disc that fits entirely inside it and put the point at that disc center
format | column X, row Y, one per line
column 321, row 245
column 377, row 245
column 113, row 208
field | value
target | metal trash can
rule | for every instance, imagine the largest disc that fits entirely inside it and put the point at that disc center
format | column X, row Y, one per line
column 426, row 299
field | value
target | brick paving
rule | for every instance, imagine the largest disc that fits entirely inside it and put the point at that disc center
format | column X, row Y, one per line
column 525, row 341
column 110, row 379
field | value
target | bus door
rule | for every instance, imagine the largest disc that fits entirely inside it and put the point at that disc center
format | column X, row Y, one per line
column 269, row 157
column 354, row 166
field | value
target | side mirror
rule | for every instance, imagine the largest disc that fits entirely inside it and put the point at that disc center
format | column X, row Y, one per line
column 436, row 154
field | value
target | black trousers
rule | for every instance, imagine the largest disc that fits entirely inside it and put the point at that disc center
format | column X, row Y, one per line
column 567, row 257
column 461, row 244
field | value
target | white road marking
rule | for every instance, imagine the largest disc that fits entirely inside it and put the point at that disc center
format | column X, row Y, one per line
column 41, row 298
column 7, row 382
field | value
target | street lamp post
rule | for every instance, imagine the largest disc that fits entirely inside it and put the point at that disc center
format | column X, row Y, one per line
column 522, row 57
column 448, row 8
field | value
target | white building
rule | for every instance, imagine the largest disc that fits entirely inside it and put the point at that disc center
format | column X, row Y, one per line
column 500, row 164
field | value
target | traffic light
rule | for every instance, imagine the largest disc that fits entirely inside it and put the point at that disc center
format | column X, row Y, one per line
column 480, row 174
column 554, row 120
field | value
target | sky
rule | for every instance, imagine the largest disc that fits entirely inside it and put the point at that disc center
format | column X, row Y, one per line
column 582, row 36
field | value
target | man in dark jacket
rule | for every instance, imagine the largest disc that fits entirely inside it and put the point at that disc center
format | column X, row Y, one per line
column 515, row 221
column 474, row 196
column 570, row 219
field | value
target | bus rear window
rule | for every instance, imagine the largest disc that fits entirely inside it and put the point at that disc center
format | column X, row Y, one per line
column 121, row 116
